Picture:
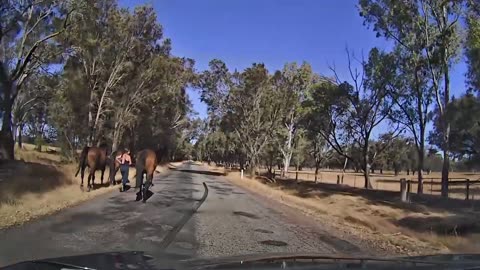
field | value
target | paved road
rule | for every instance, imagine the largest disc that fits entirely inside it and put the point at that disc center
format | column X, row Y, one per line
column 230, row 222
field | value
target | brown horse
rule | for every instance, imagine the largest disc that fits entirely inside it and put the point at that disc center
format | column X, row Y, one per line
column 146, row 162
column 96, row 159
column 114, row 166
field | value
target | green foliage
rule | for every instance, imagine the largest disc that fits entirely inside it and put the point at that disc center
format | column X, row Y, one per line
column 426, row 34
column 290, row 86
column 215, row 85
column 119, row 83
column 464, row 128
column 472, row 49
column 395, row 156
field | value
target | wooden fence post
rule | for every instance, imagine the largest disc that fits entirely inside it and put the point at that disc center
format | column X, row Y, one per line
column 467, row 190
column 403, row 190
column 296, row 175
column 409, row 189
column 338, row 179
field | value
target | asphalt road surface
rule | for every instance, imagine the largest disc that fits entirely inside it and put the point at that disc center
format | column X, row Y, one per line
column 230, row 222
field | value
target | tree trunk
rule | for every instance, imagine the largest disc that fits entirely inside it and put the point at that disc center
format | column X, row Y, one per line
column 114, row 144
column 445, row 168
column 131, row 142
column 408, row 171
column 15, row 133
column 368, row 184
column 20, row 141
column 366, row 168
column 316, row 171
column 344, row 168
column 91, row 136
column 381, row 170
column 421, row 161
column 253, row 168
column 91, row 126
column 446, row 158
column 287, row 153
column 286, row 163
column 395, row 171
column 445, row 123
column 6, row 137
column 116, row 138
column 296, row 173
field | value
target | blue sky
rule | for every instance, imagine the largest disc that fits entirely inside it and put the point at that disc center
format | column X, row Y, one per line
column 241, row 32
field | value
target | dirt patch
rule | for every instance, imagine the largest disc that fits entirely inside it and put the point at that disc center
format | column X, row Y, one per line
column 354, row 220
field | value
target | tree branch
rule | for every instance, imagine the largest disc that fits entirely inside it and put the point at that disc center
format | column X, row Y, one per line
column 21, row 68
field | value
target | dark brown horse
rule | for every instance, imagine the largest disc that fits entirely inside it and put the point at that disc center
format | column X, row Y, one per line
column 96, row 159
column 146, row 162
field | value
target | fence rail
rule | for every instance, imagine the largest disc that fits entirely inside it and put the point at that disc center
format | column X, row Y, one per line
column 429, row 183
column 407, row 184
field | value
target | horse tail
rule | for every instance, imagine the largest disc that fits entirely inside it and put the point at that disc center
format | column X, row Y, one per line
column 83, row 157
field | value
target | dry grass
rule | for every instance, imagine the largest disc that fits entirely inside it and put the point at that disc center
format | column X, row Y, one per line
column 428, row 225
column 39, row 184
column 388, row 181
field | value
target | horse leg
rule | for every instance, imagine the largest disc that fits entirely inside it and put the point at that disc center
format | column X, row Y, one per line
column 82, row 174
column 146, row 186
column 91, row 177
column 114, row 174
column 140, row 184
column 88, row 181
column 101, row 177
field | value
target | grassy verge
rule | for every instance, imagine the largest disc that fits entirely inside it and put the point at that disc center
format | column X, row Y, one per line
column 425, row 226
column 39, row 183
